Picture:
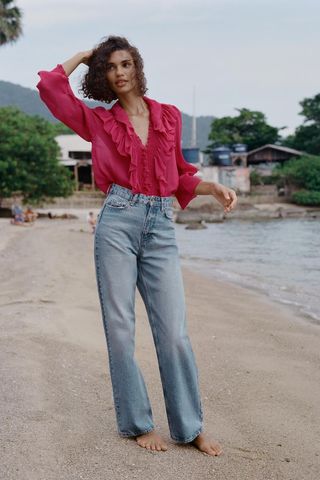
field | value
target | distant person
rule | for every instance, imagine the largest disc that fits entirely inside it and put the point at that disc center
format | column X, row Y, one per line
column 30, row 215
column 92, row 221
column 138, row 164
column 17, row 213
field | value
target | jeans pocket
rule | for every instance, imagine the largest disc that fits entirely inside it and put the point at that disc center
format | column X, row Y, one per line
column 116, row 201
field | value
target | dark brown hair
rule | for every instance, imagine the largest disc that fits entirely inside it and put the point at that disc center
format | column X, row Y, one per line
column 95, row 84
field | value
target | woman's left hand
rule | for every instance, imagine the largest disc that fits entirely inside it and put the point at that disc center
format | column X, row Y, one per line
column 225, row 196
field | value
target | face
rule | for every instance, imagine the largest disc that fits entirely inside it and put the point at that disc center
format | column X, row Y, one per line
column 121, row 72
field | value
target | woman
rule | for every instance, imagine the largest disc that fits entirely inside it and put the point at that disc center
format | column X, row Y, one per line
column 138, row 164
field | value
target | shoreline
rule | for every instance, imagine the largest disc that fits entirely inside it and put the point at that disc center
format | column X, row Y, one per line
column 204, row 208
column 295, row 307
column 208, row 211
column 257, row 361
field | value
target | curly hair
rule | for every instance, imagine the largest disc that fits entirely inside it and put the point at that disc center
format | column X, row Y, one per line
column 95, row 84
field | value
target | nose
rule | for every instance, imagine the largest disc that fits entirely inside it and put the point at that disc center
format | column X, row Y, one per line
column 119, row 71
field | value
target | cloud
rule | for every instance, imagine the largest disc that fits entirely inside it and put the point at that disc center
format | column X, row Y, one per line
column 39, row 14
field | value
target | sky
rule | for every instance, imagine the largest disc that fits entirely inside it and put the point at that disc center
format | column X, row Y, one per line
column 258, row 54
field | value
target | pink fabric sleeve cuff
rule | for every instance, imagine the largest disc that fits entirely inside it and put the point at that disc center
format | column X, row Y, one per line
column 187, row 186
column 187, row 178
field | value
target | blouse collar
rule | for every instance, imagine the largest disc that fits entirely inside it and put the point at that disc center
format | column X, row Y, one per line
column 155, row 110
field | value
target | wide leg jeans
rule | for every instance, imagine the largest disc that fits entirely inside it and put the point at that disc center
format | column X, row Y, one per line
column 135, row 246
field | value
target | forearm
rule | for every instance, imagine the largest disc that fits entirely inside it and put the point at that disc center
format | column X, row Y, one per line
column 226, row 196
column 205, row 188
column 71, row 64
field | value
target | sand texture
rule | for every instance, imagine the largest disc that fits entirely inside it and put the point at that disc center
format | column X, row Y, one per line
column 258, row 366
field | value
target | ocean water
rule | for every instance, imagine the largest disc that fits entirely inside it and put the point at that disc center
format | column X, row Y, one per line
column 279, row 257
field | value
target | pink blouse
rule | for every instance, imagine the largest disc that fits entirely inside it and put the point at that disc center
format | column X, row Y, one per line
column 118, row 155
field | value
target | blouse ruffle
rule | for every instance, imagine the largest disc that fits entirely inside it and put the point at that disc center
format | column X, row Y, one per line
column 124, row 141
column 118, row 126
column 166, row 144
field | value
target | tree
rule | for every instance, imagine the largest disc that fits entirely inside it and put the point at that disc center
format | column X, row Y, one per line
column 249, row 127
column 303, row 172
column 304, row 175
column 10, row 22
column 61, row 129
column 307, row 136
column 311, row 109
column 29, row 158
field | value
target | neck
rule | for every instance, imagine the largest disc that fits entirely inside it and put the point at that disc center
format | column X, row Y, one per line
column 132, row 104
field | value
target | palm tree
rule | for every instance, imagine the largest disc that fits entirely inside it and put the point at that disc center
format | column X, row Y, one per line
column 10, row 22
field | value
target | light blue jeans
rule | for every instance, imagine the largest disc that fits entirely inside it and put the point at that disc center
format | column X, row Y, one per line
column 135, row 246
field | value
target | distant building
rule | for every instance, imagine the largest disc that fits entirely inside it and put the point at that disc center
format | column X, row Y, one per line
column 76, row 156
column 232, row 166
column 223, row 155
column 227, row 166
column 239, row 155
column 268, row 156
column 237, row 178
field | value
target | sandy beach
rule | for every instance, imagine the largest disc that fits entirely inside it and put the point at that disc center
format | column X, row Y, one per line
column 258, row 367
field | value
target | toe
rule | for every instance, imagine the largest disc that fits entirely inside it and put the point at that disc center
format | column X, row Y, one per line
column 209, row 451
column 217, row 450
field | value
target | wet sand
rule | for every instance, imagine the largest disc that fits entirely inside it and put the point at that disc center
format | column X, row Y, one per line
column 258, row 367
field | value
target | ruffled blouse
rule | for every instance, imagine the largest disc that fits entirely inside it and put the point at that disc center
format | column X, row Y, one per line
column 118, row 154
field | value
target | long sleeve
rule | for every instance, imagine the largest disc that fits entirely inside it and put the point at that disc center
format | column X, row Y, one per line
column 55, row 91
column 187, row 178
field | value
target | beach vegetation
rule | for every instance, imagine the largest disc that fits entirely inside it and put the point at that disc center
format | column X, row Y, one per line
column 306, row 197
column 301, row 176
column 257, row 179
column 29, row 163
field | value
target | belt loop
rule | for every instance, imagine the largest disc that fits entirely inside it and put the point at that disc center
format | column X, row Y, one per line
column 133, row 198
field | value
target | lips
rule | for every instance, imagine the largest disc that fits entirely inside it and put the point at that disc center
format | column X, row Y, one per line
column 121, row 82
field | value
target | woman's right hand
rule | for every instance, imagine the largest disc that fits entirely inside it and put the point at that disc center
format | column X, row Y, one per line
column 86, row 56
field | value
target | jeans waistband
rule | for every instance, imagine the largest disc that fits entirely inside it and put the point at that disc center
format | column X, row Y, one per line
column 138, row 197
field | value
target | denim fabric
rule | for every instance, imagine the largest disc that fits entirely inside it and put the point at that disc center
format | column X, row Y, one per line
column 135, row 246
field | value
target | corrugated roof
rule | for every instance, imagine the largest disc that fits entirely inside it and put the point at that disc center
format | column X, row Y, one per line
column 277, row 147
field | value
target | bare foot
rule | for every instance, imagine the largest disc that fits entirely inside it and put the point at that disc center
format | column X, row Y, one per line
column 203, row 443
column 151, row 441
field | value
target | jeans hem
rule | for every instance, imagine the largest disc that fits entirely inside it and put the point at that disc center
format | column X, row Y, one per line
column 135, row 434
column 189, row 439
